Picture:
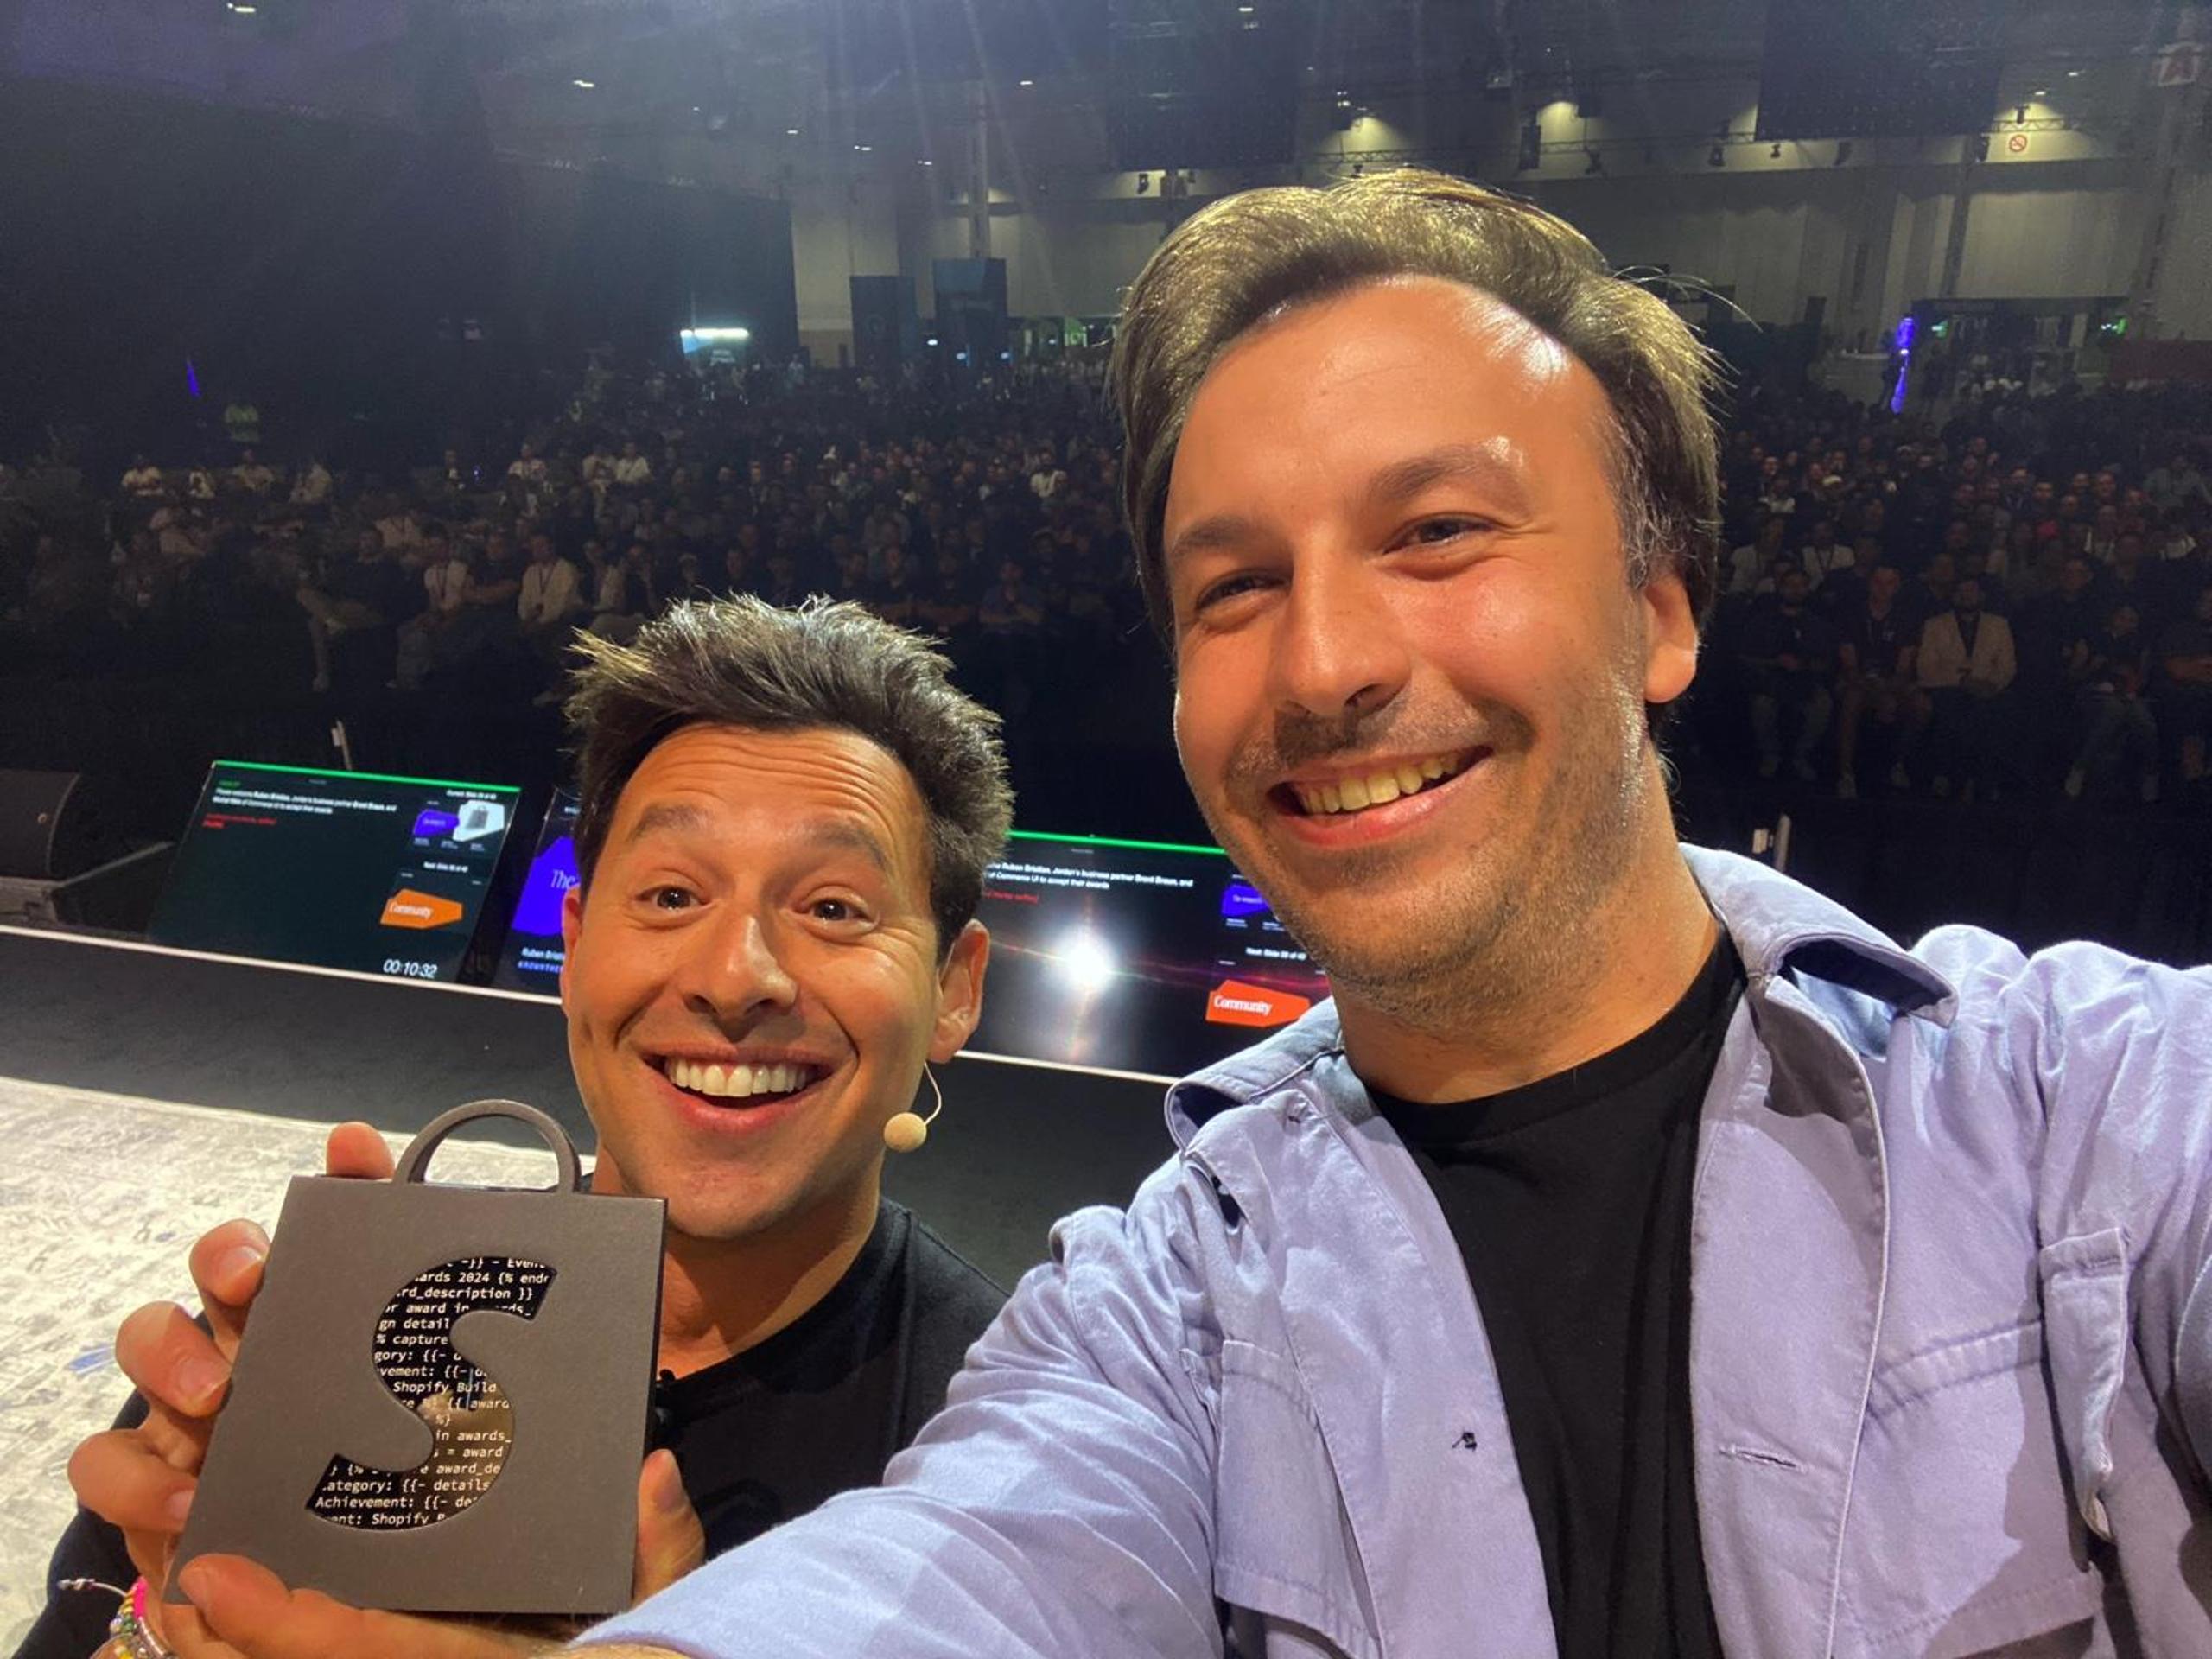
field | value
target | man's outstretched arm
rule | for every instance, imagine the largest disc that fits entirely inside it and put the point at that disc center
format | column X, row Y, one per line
column 1061, row 1506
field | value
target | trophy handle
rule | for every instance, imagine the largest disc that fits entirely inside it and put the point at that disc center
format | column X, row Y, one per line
column 416, row 1159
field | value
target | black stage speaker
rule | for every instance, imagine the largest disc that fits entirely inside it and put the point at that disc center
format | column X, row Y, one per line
column 53, row 826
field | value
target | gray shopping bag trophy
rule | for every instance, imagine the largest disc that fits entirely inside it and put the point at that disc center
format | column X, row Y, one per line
column 441, row 1398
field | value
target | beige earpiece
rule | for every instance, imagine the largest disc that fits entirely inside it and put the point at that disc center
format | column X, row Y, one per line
column 907, row 1131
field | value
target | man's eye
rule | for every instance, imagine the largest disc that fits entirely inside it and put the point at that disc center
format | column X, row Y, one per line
column 1229, row 588
column 670, row 898
column 1436, row 532
column 835, row 911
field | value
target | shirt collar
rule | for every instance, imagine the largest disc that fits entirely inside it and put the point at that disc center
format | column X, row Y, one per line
column 1778, row 926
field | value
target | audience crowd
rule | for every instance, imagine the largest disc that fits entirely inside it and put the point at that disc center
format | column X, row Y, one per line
column 2019, row 600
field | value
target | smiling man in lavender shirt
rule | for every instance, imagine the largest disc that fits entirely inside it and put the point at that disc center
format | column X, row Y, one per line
column 1640, row 1255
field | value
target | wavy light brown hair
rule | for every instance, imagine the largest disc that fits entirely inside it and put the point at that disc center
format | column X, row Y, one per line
column 743, row 662
column 1250, row 257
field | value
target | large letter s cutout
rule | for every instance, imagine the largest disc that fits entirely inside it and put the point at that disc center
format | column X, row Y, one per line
column 471, row 1419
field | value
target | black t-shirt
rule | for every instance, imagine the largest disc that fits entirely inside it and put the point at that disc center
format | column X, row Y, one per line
column 816, row 1409
column 1879, row 641
column 1570, row 1199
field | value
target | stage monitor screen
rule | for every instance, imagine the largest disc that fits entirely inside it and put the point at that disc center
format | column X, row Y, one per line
column 1129, row 955
column 530, row 959
column 335, row 869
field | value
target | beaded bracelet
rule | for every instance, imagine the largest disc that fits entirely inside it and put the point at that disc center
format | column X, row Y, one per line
column 133, row 1637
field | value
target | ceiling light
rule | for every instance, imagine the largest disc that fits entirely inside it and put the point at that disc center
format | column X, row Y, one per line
column 243, row 11
column 927, row 162
column 791, row 132
column 585, row 85
column 2043, row 92
column 1028, row 83
column 2073, row 74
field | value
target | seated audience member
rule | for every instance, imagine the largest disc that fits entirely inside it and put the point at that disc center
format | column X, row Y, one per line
column 2184, row 654
column 785, row 821
column 1928, row 594
column 1823, row 556
column 312, row 488
column 551, row 593
column 947, row 607
column 2177, row 483
column 1748, row 566
column 1878, row 640
column 894, row 595
column 251, row 475
column 631, row 469
column 433, row 638
column 1789, row 650
column 368, row 595
column 1011, row 608
column 2114, row 718
column 1965, row 663
column 143, row 479
column 621, row 597
column 1845, row 590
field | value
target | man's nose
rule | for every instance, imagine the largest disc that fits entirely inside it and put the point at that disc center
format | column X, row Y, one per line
column 733, row 971
column 1339, row 649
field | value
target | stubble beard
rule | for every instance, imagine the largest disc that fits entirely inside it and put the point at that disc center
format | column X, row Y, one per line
column 1517, row 926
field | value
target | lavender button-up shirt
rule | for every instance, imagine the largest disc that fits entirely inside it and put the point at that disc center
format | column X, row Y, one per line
column 1950, row 1366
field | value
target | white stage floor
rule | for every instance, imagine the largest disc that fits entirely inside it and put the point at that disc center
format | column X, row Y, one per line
column 100, row 1197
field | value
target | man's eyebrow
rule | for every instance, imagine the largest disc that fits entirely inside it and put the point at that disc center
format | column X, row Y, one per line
column 1220, row 530
column 1488, row 465
column 670, row 816
column 843, row 835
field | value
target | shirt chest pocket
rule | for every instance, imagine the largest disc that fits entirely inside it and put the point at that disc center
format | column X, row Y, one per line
column 1963, row 1538
column 1284, row 1560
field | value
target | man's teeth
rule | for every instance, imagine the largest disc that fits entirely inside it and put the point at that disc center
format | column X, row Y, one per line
column 1377, row 789
column 736, row 1082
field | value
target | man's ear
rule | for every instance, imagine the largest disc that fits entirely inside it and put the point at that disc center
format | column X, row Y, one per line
column 960, row 992
column 1670, row 638
column 572, row 926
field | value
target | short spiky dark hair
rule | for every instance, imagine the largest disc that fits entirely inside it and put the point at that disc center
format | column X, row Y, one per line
column 741, row 662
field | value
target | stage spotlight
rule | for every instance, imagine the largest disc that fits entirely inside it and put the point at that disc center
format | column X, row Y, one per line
column 1532, row 145
column 1716, row 156
column 1981, row 146
column 1774, row 154
column 1084, row 961
column 1144, row 184
column 1595, row 164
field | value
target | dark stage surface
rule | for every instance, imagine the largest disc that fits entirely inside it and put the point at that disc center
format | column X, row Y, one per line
column 1018, row 1145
